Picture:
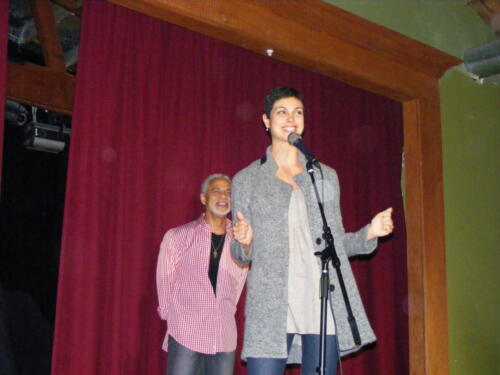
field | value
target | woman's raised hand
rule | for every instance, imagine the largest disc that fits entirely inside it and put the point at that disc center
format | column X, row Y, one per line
column 381, row 225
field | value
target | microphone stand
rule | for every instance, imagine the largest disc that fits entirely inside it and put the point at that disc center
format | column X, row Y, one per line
column 329, row 253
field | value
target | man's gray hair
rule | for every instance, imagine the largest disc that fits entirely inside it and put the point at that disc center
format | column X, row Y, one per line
column 214, row 176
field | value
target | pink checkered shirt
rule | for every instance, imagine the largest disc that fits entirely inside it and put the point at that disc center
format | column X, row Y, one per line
column 196, row 318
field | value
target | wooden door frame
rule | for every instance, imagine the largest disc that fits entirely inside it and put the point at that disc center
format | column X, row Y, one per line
column 327, row 40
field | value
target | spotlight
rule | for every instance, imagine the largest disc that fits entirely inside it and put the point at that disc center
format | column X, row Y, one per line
column 45, row 137
column 484, row 60
column 39, row 136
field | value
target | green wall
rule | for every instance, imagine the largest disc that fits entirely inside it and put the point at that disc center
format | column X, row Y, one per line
column 471, row 145
column 448, row 25
column 470, row 115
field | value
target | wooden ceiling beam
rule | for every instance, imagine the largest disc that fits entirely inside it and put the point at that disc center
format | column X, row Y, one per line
column 40, row 86
column 50, row 86
column 48, row 34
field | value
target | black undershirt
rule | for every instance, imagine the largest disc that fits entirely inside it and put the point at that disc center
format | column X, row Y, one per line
column 217, row 243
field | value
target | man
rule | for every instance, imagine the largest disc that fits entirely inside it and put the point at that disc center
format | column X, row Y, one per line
column 199, row 285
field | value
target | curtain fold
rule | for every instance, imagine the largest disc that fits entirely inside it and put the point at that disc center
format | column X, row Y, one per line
column 157, row 109
column 4, row 25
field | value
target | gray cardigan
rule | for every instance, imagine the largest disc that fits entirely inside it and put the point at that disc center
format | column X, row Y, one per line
column 264, row 200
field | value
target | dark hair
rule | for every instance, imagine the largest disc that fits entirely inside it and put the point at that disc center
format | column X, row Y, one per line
column 279, row 93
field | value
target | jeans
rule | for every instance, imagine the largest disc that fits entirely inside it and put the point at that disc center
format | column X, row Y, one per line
column 182, row 361
column 310, row 358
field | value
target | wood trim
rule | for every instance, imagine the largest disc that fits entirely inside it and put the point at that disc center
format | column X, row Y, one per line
column 327, row 40
column 40, row 86
column 48, row 34
column 332, row 42
column 433, row 246
column 415, row 238
column 425, row 244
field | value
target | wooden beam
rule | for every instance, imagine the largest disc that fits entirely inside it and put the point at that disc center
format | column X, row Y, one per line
column 40, row 86
column 323, row 18
column 425, row 245
column 313, row 35
column 70, row 6
column 48, row 34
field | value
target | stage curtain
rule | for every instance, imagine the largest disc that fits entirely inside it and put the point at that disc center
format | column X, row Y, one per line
column 157, row 109
column 4, row 24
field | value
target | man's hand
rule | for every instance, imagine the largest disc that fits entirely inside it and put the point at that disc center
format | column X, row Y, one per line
column 381, row 225
column 242, row 232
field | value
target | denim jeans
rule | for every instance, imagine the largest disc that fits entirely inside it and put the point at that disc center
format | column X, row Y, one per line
column 182, row 361
column 310, row 358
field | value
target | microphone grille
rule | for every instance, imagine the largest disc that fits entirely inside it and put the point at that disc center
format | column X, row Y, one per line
column 294, row 137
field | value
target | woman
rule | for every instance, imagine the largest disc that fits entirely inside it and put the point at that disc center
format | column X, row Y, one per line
column 279, row 229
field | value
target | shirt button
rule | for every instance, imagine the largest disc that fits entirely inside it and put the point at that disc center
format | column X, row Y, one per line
column 318, row 240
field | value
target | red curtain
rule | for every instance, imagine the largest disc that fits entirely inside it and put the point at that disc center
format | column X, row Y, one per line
column 4, row 24
column 157, row 109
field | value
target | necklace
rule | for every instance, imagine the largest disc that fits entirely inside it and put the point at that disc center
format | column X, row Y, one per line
column 216, row 249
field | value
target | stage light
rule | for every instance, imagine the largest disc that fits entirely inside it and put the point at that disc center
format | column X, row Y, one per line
column 484, row 60
column 45, row 137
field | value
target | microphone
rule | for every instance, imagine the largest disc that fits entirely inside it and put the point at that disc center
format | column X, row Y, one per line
column 296, row 140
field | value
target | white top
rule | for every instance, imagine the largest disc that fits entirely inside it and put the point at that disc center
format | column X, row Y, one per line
column 304, row 272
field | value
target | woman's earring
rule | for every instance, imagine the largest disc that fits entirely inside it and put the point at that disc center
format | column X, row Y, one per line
column 267, row 130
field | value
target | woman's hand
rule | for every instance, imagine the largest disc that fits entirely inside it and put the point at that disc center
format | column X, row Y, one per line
column 242, row 232
column 381, row 225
